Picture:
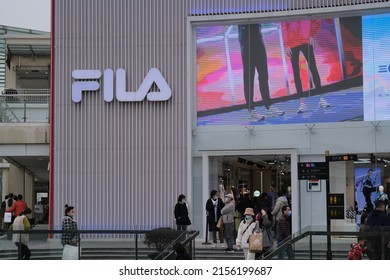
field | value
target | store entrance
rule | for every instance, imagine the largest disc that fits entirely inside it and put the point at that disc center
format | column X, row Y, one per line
column 252, row 174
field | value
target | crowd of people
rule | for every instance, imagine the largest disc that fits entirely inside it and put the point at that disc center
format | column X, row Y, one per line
column 243, row 215
column 16, row 216
column 374, row 233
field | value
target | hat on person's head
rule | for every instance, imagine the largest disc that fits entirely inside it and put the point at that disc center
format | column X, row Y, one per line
column 249, row 211
column 230, row 196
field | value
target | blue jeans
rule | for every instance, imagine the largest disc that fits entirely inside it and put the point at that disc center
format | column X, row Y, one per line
column 287, row 249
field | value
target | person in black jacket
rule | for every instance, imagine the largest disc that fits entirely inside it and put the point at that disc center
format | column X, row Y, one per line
column 377, row 223
column 283, row 232
column 213, row 207
column 181, row 213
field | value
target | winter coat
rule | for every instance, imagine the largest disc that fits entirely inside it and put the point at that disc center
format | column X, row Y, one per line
column 20, row 223
column 212, row 219
column 244, row 231
column 280, row 202
column 283, row 228
column 181, row 214
column 228, row 212
column 267, row 235
column 378, row 218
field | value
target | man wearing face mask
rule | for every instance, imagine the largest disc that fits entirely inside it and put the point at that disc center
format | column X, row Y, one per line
column 181, row 213
column 228, row 217
column 283, row 232
column 213, row 207
column 246, row 228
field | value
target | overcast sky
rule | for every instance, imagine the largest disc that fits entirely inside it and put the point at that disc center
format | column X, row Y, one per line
column 30, row 14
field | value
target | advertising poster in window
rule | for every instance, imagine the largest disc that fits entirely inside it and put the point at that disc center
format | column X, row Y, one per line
column 367, row 181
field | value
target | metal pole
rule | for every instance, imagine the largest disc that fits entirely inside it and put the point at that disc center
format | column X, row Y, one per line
column 328, row 227
column 136, row 246
column 25, row 109
column 79, row 245
column 207, row 232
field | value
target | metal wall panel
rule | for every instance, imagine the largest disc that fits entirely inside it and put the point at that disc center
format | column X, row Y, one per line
column 121, row 164
column 217, row 7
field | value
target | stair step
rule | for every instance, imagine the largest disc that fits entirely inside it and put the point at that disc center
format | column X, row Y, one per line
column 143, row 254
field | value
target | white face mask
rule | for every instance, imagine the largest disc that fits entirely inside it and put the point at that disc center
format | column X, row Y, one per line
column 227, row 200
column 248, row 217
column 183, row 201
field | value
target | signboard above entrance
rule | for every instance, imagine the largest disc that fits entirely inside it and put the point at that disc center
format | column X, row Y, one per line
column 313, row 170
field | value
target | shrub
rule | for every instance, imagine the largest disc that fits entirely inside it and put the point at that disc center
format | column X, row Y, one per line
column 160, row 238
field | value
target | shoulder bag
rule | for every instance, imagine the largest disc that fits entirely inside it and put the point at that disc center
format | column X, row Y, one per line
column 256, row 243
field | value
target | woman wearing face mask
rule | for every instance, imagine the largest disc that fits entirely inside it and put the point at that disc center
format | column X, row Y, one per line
column 213, row 207
column 265, row 221
column 181, row 213
column 246, row 228
column 69, row 224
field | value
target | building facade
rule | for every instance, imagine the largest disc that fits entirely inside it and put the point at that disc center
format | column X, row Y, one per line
column 149, row 103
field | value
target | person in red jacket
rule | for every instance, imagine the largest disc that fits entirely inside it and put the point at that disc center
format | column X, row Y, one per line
column 357, row 249
column 298, row 38
column 20, row 205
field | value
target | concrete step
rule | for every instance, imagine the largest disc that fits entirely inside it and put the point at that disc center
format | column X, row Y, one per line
column 202, row 253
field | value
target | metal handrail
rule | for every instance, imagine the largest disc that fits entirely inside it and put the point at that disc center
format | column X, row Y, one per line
column 18, row 106
column 309, row 232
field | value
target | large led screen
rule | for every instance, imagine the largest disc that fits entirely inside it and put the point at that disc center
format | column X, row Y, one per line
column 304, row 71
column 376, row 42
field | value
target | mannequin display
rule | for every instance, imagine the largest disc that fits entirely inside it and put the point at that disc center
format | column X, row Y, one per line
column 381, row 195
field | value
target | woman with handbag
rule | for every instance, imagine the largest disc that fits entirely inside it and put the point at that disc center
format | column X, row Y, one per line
column 70, row 238
column 247, row 227
column 21, row 239
column 213, row 208
column 266, row 222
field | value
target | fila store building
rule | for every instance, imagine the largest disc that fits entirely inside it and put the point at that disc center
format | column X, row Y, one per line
column 153, row 99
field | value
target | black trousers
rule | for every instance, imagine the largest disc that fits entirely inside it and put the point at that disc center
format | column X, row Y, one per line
column 24, row 252
column 308, row 52
column 254, row 58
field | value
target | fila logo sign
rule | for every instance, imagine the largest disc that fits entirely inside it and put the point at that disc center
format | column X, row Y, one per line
column 153, row 76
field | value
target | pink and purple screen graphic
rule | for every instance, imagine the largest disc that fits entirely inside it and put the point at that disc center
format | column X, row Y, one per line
column 337, row 48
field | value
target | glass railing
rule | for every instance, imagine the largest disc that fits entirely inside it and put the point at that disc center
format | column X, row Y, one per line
column 28, row 106
column 315, row 243
column 92, row 245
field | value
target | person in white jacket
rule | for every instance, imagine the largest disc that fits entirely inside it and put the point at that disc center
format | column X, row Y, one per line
column 21, row 239
column 247, row 227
